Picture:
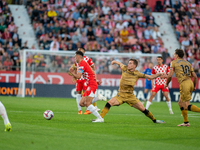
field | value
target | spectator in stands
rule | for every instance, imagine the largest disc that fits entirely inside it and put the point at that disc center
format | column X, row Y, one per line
column 35, row 14
column 15, row 60
column 161, row 49
column 105, row 8
column 75, row 14
column 148, row 32
column 165, row 55
column 7, row 64
column 52, row 13
column 40, row 30
column 156, row 33
column 124, row 35
column 147, row 10
column 11, row 27
column 185, row 43
column 108, row 40
column 16, row 48
column 6, row 34
column 75, row 38
column 54, row 45
column 113, row 50
column 90, row 34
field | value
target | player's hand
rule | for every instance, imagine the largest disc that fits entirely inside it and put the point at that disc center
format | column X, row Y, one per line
column 71, row 70
column 113, row 62
column 99, row 82
column 74, row 80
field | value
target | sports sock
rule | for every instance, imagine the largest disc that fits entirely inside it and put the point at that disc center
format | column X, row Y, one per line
column 169, row 105
column 94, row 104
column 193, row 108
column 149, row 114
column 105, row 110
column 78, row 98
column 145, row 95
column 148, row 104
column 92, row 109
column 4, row 114
column 184, row 114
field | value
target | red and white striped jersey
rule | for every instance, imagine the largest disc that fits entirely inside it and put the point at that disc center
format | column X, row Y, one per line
column 87, row 60
column 160, row 69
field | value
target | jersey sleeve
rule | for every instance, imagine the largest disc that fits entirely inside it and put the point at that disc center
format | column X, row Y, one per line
column 90, row 62
column 153, row 71
column 140, row 75
column 81, row 68
column 124, row 68
column 172, row 65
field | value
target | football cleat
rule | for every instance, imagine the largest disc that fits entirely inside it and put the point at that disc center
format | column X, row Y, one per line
column 101, row 97
column 184, row 124
column 87, row 112
column 8, row 127
column 97, row 109
column 159, row 121
column 171, row 112
column 80, row 112
column 98, row 120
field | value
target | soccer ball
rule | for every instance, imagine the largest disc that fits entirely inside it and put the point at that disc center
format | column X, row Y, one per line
column 48, row 114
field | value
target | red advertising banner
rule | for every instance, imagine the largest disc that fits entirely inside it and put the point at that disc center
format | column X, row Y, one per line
column 64, row 78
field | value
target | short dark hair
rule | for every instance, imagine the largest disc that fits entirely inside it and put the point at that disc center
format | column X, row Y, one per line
column 82, row 48
column 134, row 61
column 160, row 57
column 79, row 53
column 179, row 52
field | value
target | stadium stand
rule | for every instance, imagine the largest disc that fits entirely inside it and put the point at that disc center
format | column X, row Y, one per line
column 123, row 26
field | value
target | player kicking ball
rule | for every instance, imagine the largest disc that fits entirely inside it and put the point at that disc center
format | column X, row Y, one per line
column 183, row 71
column 160, row 83
column 3, row 114
column 88, row 96
column 81, row 84
column 128, row 79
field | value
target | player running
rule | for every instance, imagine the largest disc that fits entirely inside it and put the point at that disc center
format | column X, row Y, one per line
column 183, row 71
column 81, row 84
column 160, row 83
column 148, row 83
column 3, row 114
column 128, row 79
column 88, row 74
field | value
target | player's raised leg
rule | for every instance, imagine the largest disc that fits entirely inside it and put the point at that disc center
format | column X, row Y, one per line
column 168, row 101
column 112, row 102
column 153, row 94
column 3, row 114
column 140, row 107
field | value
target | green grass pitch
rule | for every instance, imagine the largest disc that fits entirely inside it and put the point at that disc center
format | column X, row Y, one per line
column 125, row 128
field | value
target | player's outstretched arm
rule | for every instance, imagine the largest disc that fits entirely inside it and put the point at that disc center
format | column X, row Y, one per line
column 194, row 79
column 117, row 62
column 153, row 76
column 169, row 77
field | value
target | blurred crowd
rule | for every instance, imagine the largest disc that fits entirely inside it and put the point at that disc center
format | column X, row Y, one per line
column 185, row 17
column 10, row 43
column 113, row 26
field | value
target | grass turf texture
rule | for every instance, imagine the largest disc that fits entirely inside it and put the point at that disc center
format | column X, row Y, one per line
column 124, row 128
